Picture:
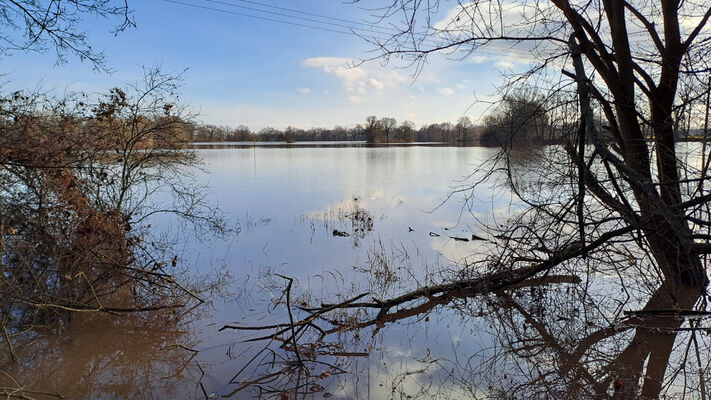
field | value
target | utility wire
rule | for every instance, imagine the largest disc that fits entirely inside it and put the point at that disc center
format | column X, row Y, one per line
column 315, row 15
column 371, row 27
column 258, row 17
column 349, row 29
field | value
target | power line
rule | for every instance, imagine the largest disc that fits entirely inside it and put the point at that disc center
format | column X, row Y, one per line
column 372, row 27
column 349, row 30
column 315, row 15
column 258, row 17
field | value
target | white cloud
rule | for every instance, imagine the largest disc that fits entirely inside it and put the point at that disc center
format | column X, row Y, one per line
column 345, row 96
column 343, row 68
column 503, row 60
column 507, row 19
column 510, row 62
column 359, row 89
column 304, row 90
column 445, row 91
column 479, row 59
column 376, row 83
column 464, row 83
column 503, row 63
column 358, row 79
column 512, row 18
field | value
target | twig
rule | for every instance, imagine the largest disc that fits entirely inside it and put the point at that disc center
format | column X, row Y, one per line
column 5, row 318
column 182, row 346
column 291, row 317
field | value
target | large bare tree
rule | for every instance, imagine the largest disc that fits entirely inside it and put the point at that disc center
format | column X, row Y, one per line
column 619, row 197
column 625, row 60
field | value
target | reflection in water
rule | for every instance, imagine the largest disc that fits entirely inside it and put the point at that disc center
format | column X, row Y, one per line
column 555, row 354
column 102, row 356
column 348, row 219
column 566, row 333
column 552, row 339
column 312, row 144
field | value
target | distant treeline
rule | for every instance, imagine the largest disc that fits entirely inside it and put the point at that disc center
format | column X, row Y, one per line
column 374, row 130
column 521, row 120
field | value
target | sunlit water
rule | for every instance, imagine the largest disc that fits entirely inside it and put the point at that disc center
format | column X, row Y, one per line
column 289, row 202
column 340, row 220
column 393, row 228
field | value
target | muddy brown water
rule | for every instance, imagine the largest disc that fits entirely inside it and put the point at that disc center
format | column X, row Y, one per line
column 394, row 233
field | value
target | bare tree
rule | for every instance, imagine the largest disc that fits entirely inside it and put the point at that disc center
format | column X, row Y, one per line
column 628, row 204
column 39, row 25
column 464, row 127
column 388, row 125
column 405, row 132
column 373, row 129
column 80, row 180
column 520, row 120
column 632, row 182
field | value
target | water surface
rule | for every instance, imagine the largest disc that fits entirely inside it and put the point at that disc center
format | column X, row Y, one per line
column 342, row 220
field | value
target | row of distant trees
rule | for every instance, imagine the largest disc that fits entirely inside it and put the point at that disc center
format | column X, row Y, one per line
column 521, row 119
column 374, row 130
column 498, row 129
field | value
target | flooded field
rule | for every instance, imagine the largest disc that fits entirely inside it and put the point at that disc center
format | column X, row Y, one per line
column 319, row 238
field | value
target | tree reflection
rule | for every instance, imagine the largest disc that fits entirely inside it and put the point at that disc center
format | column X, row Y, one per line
column 556, row 336
column 100, row 356
column 346, row 219
column 564, row 353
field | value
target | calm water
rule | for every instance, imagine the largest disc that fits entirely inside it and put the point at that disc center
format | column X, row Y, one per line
column 340, row 221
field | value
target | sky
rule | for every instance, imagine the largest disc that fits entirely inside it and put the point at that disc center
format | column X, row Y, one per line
column 242, row 70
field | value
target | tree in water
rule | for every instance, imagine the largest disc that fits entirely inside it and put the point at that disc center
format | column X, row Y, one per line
column 585, row 56
column 520, row 120
column 79, row 184
column 373, row 129
column 405, row 133
column 464, row 129
column 627, row 205
column 389, row 125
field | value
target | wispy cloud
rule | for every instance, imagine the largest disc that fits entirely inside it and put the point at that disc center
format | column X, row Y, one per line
column 358, row 79
column 342, row 68
column 376, row 83
column 445, row 91
column 479, row 59
column 510, row 19
column 304, row 90
column 502, row 60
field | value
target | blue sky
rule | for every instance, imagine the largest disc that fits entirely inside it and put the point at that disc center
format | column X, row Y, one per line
column 243, row 70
